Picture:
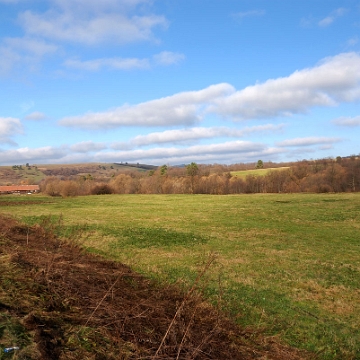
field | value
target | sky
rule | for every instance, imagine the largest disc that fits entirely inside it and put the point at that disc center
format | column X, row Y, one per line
column 178, row 81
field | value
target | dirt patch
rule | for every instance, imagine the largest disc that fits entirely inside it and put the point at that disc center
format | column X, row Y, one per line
column 58, row 302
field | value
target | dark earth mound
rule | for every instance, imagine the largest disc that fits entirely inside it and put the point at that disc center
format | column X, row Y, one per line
column 59, row 302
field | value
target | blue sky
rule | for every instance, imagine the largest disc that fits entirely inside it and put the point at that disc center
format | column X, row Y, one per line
column 176, row 81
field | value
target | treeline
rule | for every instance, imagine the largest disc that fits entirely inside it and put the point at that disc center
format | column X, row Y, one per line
column 320, row 176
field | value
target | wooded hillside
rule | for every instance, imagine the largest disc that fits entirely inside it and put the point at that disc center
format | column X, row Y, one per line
column 319, row 176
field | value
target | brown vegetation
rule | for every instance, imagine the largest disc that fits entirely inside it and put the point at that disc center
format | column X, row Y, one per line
column 58, row 302
column 320, row 176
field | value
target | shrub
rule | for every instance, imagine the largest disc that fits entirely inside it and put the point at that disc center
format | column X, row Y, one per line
column 101, row 189
column 69, row 188
column 52, row 186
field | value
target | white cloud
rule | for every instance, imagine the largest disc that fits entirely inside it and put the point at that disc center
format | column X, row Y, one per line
column 88, row 25
column 347, row 121
column 250, row 13
column 108, row 63
column 83, row 22
column 228, row 152
column 35, row 47
column 325, row 21
column 99, row 6
column 118, row 63
column 326, row 147
column 9, row 127
column 8, row 57
column 87, row 146
column 38, row 155
column 306, row 22
column 308, row 141
column 168, row 58
column 195, row 134
column 353, row 41
column 36, row 115
column 23, row 51
column 183, row 135
column 328, row 20
column 340, row 11
column 236, row 151
column 180, row 109
column 334, row 80
column 27, row 105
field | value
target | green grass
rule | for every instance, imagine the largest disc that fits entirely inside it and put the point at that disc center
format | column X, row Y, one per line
column 286, row 264
column 258, row 172
column 32, row 174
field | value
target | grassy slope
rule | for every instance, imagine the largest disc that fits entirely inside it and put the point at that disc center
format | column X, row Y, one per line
column 258, row 172
column 11, row 176
column 58, row 302
column 289, row 264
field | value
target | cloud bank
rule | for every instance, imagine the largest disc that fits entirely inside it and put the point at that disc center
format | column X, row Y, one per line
column 190, row 135
column 347, row 121
column 181, row 109
column 335, row 80
column 231, row 152
column 91, row 23
column 308, row 141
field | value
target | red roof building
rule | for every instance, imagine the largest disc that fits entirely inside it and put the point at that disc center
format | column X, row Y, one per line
column 19, row 189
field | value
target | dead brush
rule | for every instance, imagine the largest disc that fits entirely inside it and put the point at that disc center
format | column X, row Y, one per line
column 187, row 297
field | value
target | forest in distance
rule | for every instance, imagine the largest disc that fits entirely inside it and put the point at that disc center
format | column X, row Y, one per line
column 317, row 176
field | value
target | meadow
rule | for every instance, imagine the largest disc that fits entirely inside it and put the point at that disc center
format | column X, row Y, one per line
column 286, row 265
column 257, row 172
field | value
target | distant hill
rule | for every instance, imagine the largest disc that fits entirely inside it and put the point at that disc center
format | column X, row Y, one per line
column 34, row 174
column 138, row 166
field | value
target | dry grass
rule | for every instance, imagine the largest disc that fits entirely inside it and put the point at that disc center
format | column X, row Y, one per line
column 58, row 303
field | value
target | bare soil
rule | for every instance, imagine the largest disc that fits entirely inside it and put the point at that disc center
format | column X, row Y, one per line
column 59, row 302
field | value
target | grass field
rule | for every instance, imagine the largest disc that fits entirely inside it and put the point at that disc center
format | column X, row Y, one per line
column 287, row 265
column 258, row 172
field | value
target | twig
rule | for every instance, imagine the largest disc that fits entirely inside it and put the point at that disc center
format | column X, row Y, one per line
column 48, row 267
column 198, row 349
column 186, row 331
column 211, row 259
column 101, row 301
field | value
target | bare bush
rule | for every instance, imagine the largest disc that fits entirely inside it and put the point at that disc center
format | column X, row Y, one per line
column 52, row 186
column 69, row 188
column 101, row 189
